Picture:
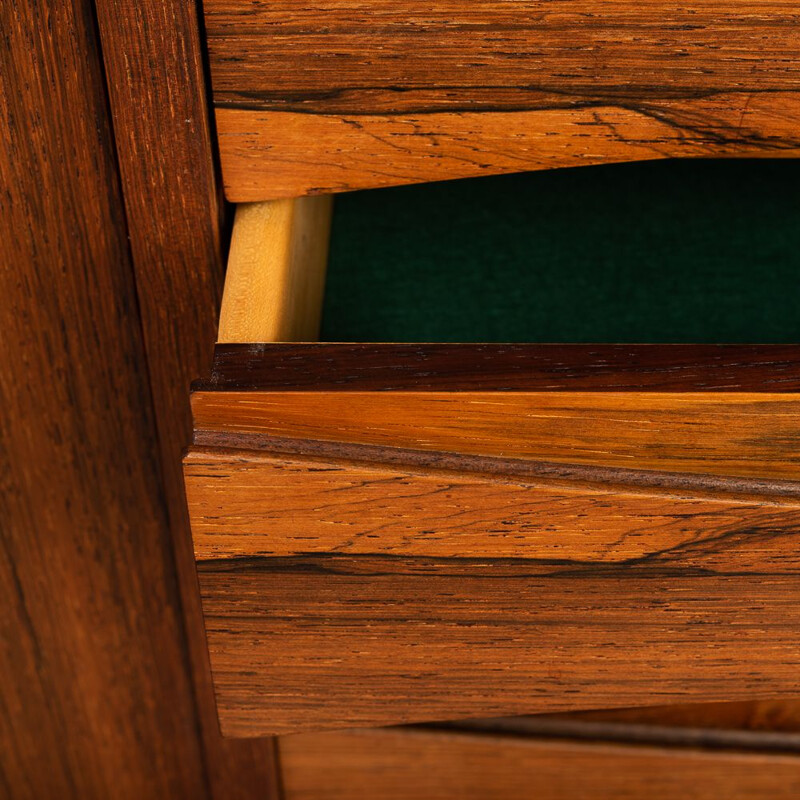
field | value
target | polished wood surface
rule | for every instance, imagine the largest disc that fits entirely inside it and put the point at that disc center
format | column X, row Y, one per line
column 736, row 434
column 397, row 56
column 269, row 154
column 377, row 640
column 430, row 555
column 389, row 93
column 252, row 505
column 96, row 697
column 394, row 765
column 314, row 762
column 275, row 280
column 402, row 596
column 154, row 71
column 504, row 367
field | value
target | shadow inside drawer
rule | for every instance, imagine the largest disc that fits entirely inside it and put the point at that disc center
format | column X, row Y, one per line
column 672, row 251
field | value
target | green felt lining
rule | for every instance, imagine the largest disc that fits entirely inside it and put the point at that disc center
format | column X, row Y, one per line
column 668, row 251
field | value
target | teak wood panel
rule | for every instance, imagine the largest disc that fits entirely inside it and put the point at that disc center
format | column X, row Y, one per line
column 153, row 56
column 96, row 695
column 745, row 435
column 328, row 98
column 400, row 597
column 279, row 506
column 442, row 554
column 315, row 642
column 396, row 764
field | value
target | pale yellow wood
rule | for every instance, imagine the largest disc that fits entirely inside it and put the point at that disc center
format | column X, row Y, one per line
column 275, row 281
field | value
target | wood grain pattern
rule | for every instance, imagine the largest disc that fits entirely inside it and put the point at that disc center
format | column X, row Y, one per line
column 499, row 54
column 504, row 367
column 676, row 732
column 394, row 765
column 256, row 506
column 154, row 72
column 389, row 93
column 316, row 642
column 275, row 281
column 735, row 434
column 96, row 698
column 443, row 554
column 268, row 154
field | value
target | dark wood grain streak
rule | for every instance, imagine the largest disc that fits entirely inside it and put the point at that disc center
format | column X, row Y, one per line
column 154, row 70
column 394, row 765
column 220, row 446
column 96, row 698
column 504, row 367
column 343, row 97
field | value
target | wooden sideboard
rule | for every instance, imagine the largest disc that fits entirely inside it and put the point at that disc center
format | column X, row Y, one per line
column 120, row 123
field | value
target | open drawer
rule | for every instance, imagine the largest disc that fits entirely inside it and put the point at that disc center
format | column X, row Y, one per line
column 390, row 533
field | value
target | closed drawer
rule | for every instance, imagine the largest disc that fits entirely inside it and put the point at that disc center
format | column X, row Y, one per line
column 487, row 764
column 392, row 533
column 336, row 96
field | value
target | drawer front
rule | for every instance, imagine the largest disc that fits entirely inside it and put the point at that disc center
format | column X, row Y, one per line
column 337, row 96
column 393, row 764
column 375, row 555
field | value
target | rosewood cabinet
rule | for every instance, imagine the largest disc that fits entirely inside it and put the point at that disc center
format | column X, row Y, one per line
column 391, row 534
column 452, row 571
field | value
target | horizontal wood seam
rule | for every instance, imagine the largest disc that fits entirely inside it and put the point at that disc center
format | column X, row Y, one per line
column 582, row 97
column 656, row 565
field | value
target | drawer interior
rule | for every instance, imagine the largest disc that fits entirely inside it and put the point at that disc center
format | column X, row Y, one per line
column 699, row 251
